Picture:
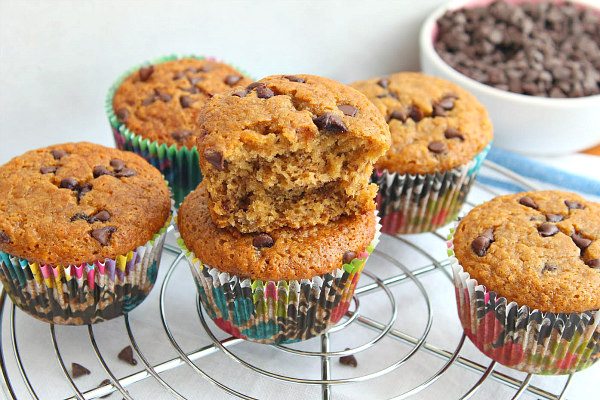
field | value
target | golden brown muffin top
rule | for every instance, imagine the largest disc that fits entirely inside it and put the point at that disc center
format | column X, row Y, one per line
column 78, row 203
column 282, row 254
column 161, row 102
column 283, row 114
column 435, row 124
column 539, row 249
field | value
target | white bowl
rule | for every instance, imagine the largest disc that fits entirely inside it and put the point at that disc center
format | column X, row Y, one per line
column 527, row 124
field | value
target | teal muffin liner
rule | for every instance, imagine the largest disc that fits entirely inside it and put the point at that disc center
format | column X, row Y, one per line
column 85, row 293
column 273, row 312
column 423, row 203
column 180, row 166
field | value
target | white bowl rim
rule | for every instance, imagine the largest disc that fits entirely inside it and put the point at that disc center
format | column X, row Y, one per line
column 426, row 45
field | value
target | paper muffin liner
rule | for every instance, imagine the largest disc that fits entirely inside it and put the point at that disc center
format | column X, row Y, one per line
column 180, row 166
column 85, row 293
column 525, row 339
column 423, row 203
column 272, row 312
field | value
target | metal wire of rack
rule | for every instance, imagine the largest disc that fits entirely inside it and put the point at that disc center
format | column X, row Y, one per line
column 223, row 347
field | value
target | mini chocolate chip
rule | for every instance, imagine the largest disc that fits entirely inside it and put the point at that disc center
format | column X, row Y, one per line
column 254, row 85
column 480, row 245
column 447, row 103
column 186, row 101
column 240, row 93
column 100, row 170
column 102, row 216
column 125, row 173
column 149, row 100
column 263, row 92
column 103, row 234
column 127, row 355
column 58, row 154
column 383, row 82
column 549, row 268
column 232, row 79
column 349, row 360
column 146, row 73
column 580, row 241
column 117, row 164
column 574, row 205
column 437, row 147
column 400, row 115
column 415, row 113
column 453, row 133
column 330, row 123
column 68, row 183
column 164, row 97
column 48, row 169
column 293, row 78
column 78, row 370
column 4, row 237
column 438, row 111
column 105, row 382
column 215, row 158
column 348, row 110
column 547, row 229
column 262, row 240
column 348, row 257
column 122, row 114
column 181, row 135
column 528, row 202
column 78, row 216
column 554, row 217
column 595, row 263
column 82, row 190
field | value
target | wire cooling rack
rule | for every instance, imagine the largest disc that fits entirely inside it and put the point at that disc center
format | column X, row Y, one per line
column 386, row 346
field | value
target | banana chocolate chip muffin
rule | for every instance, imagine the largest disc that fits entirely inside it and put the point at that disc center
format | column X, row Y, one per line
column 283, row 286
column 291, row 151
column 81, row 231
column 540, row 252
column 157, row 105
column 440, row 135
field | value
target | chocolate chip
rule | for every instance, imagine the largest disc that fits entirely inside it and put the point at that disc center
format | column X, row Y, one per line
column 103, row 234
column 101, row 216
column 437, row 147
column 240, row 93
column 595, row 263
column 349, row 360
column 554, row 217
column 215, row 158
column 549, row 268
column 68, row 183
column 186, row 101
column 58, row 154
column 415, row 113
column 263, row 92
column 105, row 383
column 82, row 190
column 127, row 355
column 488, row 233
column 453, row 133
column 480, row 245
column 547, row 229
column 293, row 78
column 48, row 169
column 78, row 370
column 194, row 79
column 262, row 240
column 100, row 170
column 125, row 173
column 574, row 205
column 348, row 257
column 399, row 115
column 149, row 100
column 348, row 110
column 117, row 164
column 232, row 79
column 384, row 83
column 447, row 102
column 254, row 85
column 122, row 114
column 191, row 90
column 4, row 237
column 528, row 202
column 330, row 123
column 181, row 135
column 146, row 72
column 164, row 97
column 80, row 216
column 438, row 111
column 580, row 241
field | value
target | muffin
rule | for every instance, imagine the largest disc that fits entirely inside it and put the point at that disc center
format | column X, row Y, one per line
column 153, row 111
column 81, row 231
column 289, row 151
column 527, row 275
column 281, row 287
column 440, row 136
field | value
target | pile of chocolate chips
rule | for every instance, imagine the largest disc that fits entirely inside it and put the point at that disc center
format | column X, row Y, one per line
column 539, row 49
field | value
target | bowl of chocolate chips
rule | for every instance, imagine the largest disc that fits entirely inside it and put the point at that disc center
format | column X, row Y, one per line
column 535, row 65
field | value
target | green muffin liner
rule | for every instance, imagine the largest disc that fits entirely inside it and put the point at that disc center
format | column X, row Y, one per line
column 180, row 166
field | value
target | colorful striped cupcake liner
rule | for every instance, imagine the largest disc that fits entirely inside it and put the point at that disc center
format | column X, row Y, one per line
column 271, row 312
column 527, row 340
column 180, row 166
column 423, row 203
column 85, row 293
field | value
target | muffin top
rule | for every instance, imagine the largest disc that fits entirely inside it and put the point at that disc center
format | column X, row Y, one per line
column 78, row 203
column 435, row 125
column 161, row 102
column 539, row 249
column 282, row 254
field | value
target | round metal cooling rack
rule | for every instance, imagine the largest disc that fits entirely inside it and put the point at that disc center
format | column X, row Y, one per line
column 226, row 347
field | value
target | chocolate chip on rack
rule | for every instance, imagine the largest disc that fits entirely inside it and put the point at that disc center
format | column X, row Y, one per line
column 127, row 355
column 349, row 360
column 263, row 240
column 78, row 370
column 329, row 122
